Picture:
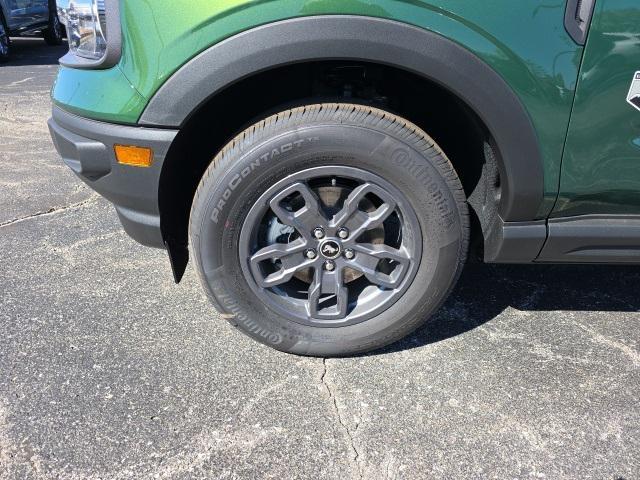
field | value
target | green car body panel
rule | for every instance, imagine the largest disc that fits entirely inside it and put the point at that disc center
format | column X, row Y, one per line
column 600, row 173
column 526, row 44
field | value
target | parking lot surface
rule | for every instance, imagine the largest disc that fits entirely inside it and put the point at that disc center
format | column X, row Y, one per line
column 110, row 371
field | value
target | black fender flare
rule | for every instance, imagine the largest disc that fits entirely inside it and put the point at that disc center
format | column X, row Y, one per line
column 344, row 37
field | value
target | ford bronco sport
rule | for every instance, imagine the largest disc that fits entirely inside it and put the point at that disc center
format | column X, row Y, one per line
column 330, row 164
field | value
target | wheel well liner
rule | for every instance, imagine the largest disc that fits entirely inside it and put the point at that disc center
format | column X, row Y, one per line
column 337, row 37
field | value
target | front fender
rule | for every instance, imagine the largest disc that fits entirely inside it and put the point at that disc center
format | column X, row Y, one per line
column 524, row 42
column 374, row 40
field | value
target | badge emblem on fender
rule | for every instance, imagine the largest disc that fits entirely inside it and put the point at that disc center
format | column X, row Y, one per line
column 634, row 92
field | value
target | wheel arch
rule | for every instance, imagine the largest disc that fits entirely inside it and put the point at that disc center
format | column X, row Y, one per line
column 374, row 40
column 379, row 41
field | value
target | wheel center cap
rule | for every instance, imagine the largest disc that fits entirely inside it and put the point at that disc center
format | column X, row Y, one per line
column 330, row 249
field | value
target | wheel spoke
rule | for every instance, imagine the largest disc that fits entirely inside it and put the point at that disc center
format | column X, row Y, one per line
column 369, row 256
column 358, row 221
column 331, row 284
column 291, row 257
column 306, row 218
column 279, row 250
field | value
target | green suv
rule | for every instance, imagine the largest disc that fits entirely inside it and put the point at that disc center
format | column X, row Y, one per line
column 330, row 165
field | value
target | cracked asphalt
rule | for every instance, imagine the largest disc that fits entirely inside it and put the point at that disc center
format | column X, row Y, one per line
column 110, row 371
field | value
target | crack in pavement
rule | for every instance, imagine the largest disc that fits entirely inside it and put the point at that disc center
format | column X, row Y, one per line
column 354, row 459
column 51, row 211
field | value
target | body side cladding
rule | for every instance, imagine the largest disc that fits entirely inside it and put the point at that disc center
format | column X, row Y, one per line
column 604, row 239
column 343, row 37
column 593, row 239
column 514, row 242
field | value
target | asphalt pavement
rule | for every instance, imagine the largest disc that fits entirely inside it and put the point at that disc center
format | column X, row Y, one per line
column 110, row 371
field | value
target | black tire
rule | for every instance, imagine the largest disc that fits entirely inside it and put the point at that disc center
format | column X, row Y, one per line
column 54, row 33
column 5, row 41
column 329, row 137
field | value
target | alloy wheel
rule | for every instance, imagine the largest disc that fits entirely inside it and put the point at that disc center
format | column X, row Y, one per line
column 330, row 246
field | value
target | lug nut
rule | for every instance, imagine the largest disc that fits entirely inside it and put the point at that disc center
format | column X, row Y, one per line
column 343, row 233
column 349, row 254
column 329, row 266
column 311, row 254
column 318, row 233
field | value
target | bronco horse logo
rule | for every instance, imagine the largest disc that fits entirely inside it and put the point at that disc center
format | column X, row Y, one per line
column 330, row 249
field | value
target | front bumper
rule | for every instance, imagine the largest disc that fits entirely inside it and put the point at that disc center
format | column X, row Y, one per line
column 86, row 146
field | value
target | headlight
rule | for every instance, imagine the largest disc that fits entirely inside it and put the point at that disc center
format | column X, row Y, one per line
column 94, row 33
column 86, row 31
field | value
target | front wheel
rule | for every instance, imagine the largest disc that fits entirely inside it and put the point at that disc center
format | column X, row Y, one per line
column 5, row 41
column 329, row 229
column 54, row 33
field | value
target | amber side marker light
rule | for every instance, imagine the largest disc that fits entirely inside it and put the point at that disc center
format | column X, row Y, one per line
column 133, row 156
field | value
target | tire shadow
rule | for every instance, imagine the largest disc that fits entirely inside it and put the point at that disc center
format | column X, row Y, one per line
column 485, row 291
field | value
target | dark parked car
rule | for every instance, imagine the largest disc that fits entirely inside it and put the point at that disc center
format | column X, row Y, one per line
column 20, row 17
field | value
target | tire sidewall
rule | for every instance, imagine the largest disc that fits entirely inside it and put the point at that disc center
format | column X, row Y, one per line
column 253, row 167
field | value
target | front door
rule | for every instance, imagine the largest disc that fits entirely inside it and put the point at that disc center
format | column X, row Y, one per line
column 601, row 163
